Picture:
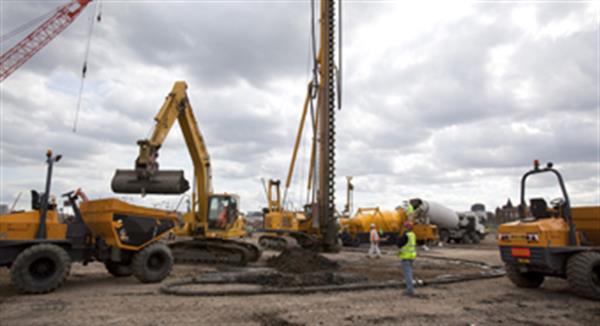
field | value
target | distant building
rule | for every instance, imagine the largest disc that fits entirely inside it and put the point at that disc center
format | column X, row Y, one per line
column 3, row 209
column 506, row 213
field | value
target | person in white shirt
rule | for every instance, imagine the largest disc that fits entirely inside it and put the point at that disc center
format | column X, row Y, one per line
column 374, row 239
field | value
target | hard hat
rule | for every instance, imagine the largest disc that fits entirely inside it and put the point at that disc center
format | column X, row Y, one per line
column 372, row 225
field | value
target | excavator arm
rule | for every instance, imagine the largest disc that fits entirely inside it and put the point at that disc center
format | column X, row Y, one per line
column 213, row 220
column 146, row 178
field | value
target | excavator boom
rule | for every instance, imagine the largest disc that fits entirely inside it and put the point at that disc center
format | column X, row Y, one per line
column 213, row 231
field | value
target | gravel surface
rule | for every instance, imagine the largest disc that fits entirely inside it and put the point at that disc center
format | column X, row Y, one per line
column 92, row 297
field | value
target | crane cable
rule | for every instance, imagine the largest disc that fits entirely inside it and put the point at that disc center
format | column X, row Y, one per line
column 339, row 67
column 313, row 96
column 302, row 192
column 97, row 8
column 26, row 26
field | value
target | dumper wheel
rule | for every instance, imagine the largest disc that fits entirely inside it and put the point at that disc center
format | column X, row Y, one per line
column 40, row 269
column 153, row 263
column 119, row 269
column 583, row 274
column 523, row 280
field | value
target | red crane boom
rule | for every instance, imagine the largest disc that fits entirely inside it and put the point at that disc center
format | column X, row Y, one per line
column 12, row 59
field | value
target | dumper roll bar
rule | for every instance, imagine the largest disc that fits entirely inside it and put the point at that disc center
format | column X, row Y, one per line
column 42, row 232
column 566, row 206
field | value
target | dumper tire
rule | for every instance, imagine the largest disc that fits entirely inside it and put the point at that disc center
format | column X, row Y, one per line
column 119, row 269
column 153, row 263
column 41, row 268
column 529, row 280
column 583, row 274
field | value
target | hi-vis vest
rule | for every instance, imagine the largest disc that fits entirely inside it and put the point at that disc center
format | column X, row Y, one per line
column 409, row 209
column 409, row 250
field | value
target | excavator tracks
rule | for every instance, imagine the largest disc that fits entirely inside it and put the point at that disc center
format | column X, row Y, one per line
column 286, row 240
column 214, row 251
column 276, row 242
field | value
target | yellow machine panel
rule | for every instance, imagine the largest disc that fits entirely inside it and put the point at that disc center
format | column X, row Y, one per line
column 24, row 226
column 283, row 220
column 549, row 232
column 425, row 232
column 587, row 221
column 387, row 222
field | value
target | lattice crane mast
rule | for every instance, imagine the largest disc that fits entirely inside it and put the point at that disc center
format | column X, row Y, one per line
column 16, row 56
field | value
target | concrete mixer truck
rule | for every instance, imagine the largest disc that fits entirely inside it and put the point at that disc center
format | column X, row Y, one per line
column 452, row 227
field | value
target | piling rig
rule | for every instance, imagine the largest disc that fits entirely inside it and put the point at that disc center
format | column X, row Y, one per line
column 319, row 228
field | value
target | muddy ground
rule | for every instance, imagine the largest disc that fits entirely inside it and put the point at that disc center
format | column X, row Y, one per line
column 92, row 297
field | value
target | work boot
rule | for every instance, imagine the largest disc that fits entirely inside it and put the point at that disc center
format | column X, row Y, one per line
column 409, row 294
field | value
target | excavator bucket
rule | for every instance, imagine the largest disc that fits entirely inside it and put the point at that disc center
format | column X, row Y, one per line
column 161, row 182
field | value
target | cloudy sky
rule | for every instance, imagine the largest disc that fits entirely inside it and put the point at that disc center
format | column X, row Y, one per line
column 448, row 101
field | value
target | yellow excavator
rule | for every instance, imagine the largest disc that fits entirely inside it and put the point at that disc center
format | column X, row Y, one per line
column 214, row 220
column 317, row 226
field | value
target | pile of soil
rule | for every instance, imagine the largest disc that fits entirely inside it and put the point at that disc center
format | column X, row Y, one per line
column 300, row 261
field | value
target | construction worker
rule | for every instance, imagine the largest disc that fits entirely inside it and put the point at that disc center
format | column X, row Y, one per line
column 408, row 207
column 408, row 253
column 374, row 238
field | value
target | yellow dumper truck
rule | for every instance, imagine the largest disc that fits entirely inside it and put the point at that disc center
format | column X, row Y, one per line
column 553, row 240
column 39, row 248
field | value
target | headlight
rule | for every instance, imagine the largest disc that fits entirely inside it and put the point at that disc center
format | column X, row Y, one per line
column 504, row 236
column 533, row 237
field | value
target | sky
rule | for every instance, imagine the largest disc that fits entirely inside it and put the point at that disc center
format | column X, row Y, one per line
column 448, row 101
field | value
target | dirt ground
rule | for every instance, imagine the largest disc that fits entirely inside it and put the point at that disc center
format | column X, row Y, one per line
column 92, row 297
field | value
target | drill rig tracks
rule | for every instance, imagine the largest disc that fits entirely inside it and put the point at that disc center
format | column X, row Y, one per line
column 214, row 251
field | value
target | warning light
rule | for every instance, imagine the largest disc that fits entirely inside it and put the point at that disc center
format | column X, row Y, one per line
column 536, row 164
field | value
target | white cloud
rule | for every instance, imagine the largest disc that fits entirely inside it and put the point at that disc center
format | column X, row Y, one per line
column 443, row 100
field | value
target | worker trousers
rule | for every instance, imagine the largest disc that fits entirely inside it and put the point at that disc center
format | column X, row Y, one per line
column 408, row 275
column 374, row 250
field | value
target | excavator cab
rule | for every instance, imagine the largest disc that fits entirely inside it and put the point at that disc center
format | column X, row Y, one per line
column 222, row 211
